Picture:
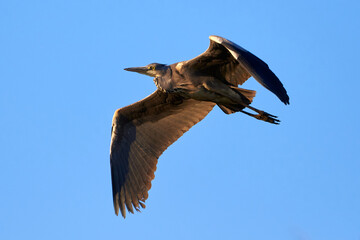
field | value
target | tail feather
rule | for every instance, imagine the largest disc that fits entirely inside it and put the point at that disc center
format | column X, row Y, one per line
column 249, row 94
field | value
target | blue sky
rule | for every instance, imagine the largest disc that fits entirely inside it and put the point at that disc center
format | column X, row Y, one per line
column 230, row 177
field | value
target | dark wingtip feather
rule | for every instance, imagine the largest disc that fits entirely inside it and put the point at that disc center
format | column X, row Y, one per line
column 263, row 74
column 287, row 101
column 256, row 67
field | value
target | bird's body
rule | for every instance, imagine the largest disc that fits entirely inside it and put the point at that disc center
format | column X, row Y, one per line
column 186, row 92
column 197, row 85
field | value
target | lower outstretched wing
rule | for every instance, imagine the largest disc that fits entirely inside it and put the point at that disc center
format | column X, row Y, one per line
column 141, row 132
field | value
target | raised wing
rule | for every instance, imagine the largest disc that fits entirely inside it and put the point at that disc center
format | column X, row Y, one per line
column 231, row 63
column 141, row 132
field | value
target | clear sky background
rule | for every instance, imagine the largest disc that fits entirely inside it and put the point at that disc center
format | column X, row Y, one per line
column 229, row 177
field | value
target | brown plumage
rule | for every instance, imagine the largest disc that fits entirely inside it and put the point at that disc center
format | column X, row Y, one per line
column 187, row 92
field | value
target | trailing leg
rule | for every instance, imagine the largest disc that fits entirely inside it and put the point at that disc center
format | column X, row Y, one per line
column 264, row 116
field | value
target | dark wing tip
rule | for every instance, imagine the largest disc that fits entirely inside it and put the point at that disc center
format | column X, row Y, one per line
column 268, row 79
column 287, row 100
column 256, row 67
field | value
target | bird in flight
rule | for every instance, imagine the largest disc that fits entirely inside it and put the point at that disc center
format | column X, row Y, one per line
column 186, row 92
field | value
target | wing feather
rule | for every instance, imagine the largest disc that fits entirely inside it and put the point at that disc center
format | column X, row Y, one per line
column 233, row 65
column 256, row 67
column 141, row 132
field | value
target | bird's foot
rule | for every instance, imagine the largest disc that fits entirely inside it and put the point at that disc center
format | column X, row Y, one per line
column 267, row 117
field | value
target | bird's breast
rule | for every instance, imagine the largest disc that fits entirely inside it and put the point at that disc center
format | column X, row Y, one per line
column 164, row 84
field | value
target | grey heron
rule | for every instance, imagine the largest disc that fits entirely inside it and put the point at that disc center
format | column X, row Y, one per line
column 186, row 92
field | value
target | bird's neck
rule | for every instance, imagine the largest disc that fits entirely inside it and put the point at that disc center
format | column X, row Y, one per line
column 163, row 81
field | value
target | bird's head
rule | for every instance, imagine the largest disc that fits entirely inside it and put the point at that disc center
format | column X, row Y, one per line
column 152, row 70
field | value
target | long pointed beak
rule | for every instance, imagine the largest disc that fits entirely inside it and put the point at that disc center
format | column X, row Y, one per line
column 142, row 70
